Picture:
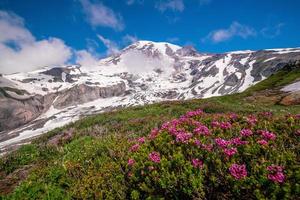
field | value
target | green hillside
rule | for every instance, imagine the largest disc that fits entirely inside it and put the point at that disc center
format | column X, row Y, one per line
column 89, row 159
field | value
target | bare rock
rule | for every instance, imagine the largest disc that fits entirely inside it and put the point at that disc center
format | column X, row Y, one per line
column 291, row 99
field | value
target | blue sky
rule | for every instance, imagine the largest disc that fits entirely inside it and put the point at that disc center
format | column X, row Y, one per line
column 99, row 27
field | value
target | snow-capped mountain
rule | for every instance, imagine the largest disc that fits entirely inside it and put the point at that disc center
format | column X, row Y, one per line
column 145, row 72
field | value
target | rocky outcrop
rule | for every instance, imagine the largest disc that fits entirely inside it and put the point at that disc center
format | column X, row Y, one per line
column 83, row 93
column 291, row 99
column 16, row 111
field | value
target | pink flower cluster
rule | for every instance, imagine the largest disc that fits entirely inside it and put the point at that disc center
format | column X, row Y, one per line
column 276, row 173
column 194, row 113
column 246, row 132
column 225, row 125
column 252, row 120
column 202, row 130
column 183, row 137
column 131, row 162
column 230, row 151
column 153, row 134
column 267, row 135
column 197, row 163
column 141, row 140
column 222, row 143
column 135, row 147
column 154, row 157
column 262, row 142
column 237, row 141
column 215, row 124
column 238, row 171
column 266, row 114
column 207, row 147
column 233, row 116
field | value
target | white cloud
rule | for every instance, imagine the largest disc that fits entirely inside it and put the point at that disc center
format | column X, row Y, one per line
column 129, row 39
column 235, row 29
column 20, row 51
column 138, row 62
column 272, row 31
column 174, row 5
column 85, row 58
column 12, row 28
column 112, row 47
column 173, row 39
column 100, row 15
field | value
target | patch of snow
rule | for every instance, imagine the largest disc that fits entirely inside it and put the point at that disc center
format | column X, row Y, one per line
column 240, row 52
column 270, row 59
column 244, row 60
column 294, row 87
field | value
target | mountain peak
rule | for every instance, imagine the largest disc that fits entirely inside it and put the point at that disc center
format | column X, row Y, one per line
column 142, row 44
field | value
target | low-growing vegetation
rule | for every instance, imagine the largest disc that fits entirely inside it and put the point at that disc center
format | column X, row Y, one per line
column 217, row 148
column 217, row 156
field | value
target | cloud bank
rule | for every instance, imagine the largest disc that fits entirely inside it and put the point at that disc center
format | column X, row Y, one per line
column 21, row 51
column 234, row 30
column 100, row 15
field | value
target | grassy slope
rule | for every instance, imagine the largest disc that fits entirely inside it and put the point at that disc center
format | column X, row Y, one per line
column 99, row 140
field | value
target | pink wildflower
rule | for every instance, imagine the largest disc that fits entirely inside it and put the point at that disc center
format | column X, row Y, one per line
column 141, row 140
column 266, row 114
column 194, row 113
column 251, row 119
column 207, row 147
column 197, row 163
column 202, row 130
column 268, row 135
column 215, row 124
column 277, row 177
column 238, row 171
column 233, row 116
column 246, row 132
column 297, row 116
column 154, row 157
column 276, row 173
column 221, row 142
column 153, row 134
column 131, row 162
column 297, row 132
column 237, row 141
column 197, row 143
column 230, row 152
column 275, row 168
column 135, row 147
column 183, row 137
column 262, row 142
column 225, row 125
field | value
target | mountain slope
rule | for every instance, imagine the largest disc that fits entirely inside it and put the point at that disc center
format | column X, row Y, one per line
column 144, row 72
column 92, row 148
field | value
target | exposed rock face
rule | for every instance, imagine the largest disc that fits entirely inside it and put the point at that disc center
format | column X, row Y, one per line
column 16, row 112
column 291, row 99
column 83, row 93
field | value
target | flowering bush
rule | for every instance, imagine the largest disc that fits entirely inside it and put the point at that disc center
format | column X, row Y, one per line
column 216, row 156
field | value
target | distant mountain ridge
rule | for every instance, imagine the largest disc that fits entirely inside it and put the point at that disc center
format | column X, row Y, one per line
column 144, row 72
